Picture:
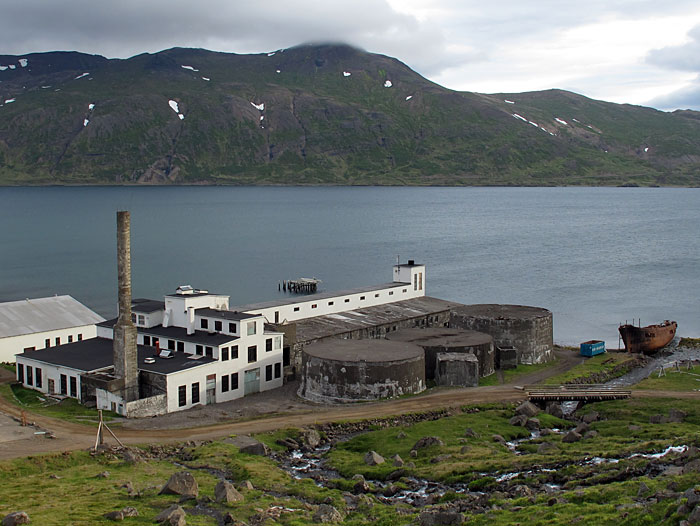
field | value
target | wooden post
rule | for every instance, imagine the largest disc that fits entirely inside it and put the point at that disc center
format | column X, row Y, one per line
column 24, row 418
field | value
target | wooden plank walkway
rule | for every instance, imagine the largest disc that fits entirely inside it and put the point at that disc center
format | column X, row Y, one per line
column 575, row 392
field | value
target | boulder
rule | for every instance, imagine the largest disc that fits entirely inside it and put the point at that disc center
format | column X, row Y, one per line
column 401, row 435
column 256, row 448
column 372, row 458
column 122, row 514
column 413, row 453
column 440, row 458
column 499, row 439
column 103, row 475
column 693, row 497
column 518, row 420
column 440, row 518
column 181, row 483
column 172, row 516
column 327, row 513
column 555, row 409
column 470, row 433
column 676, row 415
column 694, row 517
column 546, row 447
column 643, row 490
column 288, row 443
column 390, row 490
column 16, row 517
column 591, row 417
column 571, row 436
column 398, row 473
column 528, row 409
column 532, row 424
column 397, row 461
column 464, row 449
column 590, row 434
column 247, row 485
column 427, row 442
column 581, row 428
column 692, row 467
column 226, row 492
column 658, row 419
column 311, row 438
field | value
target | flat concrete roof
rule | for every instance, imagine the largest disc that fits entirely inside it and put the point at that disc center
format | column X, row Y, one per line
column 503, row 312
column 373, row 351
column 456, row 357
column 441, row 337
column 310, row 329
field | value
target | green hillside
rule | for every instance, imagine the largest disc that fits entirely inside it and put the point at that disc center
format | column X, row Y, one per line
column 381, row 124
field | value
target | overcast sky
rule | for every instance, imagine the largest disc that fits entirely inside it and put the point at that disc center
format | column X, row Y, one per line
column 629, row 51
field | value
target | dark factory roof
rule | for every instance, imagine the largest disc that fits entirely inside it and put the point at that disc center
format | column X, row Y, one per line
column 179, row 333
column 441, row 337
column 147, row 306
column 502, row 312
column 310, row 329
column 97, row 353
column 223, row 314
column 372, row 351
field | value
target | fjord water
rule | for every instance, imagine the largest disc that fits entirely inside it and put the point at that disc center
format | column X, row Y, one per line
column 594, row 256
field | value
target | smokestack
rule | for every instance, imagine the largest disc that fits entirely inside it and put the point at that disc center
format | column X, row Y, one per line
column 124, row 347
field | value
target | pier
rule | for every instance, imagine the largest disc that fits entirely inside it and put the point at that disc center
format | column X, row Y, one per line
column 575, row 392
column 299, row 286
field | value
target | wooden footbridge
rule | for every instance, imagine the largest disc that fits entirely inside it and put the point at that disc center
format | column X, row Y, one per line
column 575, row 392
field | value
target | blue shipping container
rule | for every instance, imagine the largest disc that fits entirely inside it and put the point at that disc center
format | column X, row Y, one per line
column 592, row 347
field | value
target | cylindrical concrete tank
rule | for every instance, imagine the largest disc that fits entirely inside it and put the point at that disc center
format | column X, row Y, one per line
column 447, row 340
column 338, row 371
column 528, row 329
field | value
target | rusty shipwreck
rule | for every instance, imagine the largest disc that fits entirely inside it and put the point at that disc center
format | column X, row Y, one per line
column 647, row 339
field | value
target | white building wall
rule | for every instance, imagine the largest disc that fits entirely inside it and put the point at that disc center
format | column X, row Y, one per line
column 176, row 307
column 105, row 399
column 48, row 372
column 13, row 345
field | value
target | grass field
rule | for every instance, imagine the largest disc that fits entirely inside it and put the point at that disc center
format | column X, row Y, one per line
column 683, row 380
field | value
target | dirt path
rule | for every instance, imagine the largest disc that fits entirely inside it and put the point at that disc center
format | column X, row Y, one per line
column 70, row 436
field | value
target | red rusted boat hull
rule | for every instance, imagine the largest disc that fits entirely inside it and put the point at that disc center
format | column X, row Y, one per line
column 648, row 339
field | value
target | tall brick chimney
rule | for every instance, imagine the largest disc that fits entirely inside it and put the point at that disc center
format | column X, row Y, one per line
column 124, row 350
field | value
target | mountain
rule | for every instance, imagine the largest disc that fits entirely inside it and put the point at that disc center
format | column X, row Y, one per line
column 323, row 114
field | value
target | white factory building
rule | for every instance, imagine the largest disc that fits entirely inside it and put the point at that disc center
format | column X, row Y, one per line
column 33, row 324
column 193, row 349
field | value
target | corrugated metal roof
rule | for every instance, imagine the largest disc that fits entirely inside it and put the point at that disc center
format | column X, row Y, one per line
column 44, row 314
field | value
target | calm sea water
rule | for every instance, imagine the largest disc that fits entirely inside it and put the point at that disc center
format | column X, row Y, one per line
column 594, row 256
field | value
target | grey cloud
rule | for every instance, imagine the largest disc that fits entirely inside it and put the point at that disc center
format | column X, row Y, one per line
column 685, row 57
column 687, row 98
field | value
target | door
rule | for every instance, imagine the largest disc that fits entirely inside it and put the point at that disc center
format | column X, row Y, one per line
column 211, row 389
column 252, row 382
column 52, row 386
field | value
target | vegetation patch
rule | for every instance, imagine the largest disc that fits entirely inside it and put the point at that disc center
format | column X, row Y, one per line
column 598, row 369
column 680, row 379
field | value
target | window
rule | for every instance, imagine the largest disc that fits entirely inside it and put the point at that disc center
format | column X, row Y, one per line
column 404, row 290
column 376, row 295
column 199, row 350
column 278, row 343
column 330, row 303
column 64, row 384
column 251, row 328
column 415, row 282
column 182, row 396
column 70, row 338
column 347, row 300
column 232, row 328
column 296, row 309
column 268, row 373
column 204, row 323
column 278, row 370
column 80, row 337
column 37, row 376
column 277, row 316
column 234, row 381
column 217, row 326
column 209, row 351
column 147, row 340
column 420, row 281
column 30, row 379
column 181, row 346
column 224, row 383
column 314, row 305
column 20, row 372
column 47, row 342
column 133, row 317
column 171, row 345
column 74, row 387
column 286, row 356
column 155, row 341
column 362, row 298
column 195, row 393
column 391, row 293
column 234, row 352
column 58, row 341
column 224, row 354
column 268, row 344
column 142, row 319
column 252, row 353
column 27, row 349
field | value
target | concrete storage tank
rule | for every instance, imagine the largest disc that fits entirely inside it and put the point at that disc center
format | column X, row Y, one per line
column 339, row 371
column 528, row 329
column 447, row 340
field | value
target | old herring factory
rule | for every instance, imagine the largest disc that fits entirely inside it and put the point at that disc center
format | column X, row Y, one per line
column 367, row 343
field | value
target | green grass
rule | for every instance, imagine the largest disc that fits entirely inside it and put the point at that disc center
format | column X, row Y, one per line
column 9, row 366
column 683, row 380
column 689, row 342
column 67, row 409
column 605, row 363
column 511, row 376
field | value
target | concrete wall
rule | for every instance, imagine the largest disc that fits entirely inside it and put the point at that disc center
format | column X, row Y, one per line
column 147, row 407
column 457, row 370
column 484, row 353
column 17, row 344
column 339, row 382
column 531, row 334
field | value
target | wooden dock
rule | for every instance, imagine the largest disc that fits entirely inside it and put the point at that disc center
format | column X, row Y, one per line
column 575, row 392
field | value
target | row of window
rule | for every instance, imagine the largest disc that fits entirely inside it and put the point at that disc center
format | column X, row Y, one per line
column 347, row 300
column 251, row 327
column 32, row 376
column 57, row 340
column 226, row 354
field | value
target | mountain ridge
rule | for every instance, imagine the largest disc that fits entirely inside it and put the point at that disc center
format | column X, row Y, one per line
column 315, row 114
